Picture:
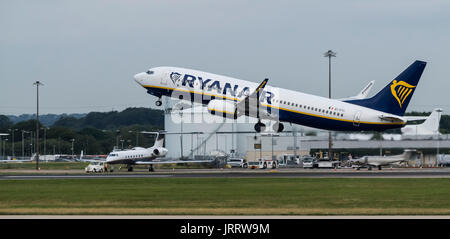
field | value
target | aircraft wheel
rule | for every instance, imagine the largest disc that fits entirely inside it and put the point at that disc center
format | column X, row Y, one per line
column 260, row 127
column 130, row 169
column 158, row 103
column 379, row 167
column 278, row 127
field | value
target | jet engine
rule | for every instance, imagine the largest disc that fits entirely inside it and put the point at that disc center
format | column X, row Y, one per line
column 159, row 152
column 223, row 108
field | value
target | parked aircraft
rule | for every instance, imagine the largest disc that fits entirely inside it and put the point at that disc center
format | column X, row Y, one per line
column 379, row 161
column 429, row 127
column 232, row 98
column 145, row 156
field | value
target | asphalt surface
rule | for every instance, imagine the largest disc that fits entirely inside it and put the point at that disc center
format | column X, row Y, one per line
column 233, row 173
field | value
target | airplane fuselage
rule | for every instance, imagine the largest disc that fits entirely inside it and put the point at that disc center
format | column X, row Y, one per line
column 288, row 105
column 135, row 155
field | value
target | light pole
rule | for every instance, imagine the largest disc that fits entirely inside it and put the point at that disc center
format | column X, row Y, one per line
column 137, row 134
column 37, row 84
column 12, row 141
column 4, row 147
column 73, row 140
column 329, row 54
column 23, row 144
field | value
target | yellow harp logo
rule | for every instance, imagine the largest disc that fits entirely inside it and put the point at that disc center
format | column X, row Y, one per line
column 400, row 90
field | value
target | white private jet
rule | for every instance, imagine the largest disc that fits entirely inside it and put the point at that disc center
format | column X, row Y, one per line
column 146, row 156
column 232, row 98
column 379, row 161
column 429, row 127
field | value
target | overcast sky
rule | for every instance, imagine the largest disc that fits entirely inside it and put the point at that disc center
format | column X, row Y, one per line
column 86, row 52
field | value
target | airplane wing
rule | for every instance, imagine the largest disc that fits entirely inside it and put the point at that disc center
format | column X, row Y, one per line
column 245, row 105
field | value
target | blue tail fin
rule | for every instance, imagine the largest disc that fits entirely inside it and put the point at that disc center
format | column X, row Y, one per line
column 395, row 97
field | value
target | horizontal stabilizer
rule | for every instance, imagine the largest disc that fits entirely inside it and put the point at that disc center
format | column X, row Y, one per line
column 392, row 118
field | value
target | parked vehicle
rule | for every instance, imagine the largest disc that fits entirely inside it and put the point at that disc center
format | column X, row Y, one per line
column 95, row 167
column 309, row 162
column 253, row 164
column 237, row 162
column 327, row 163
column 267, row 163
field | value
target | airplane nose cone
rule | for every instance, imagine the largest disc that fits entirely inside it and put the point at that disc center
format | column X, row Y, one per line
column 139, row 77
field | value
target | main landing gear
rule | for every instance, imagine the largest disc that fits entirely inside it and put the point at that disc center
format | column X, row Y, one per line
column 259, row 127
column 277, row 127
column 151, row 168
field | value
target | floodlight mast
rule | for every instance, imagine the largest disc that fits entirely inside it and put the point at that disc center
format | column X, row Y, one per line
column 329, row 54
column 37, row 84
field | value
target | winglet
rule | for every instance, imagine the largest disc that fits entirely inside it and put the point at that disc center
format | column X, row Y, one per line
column 262, row 85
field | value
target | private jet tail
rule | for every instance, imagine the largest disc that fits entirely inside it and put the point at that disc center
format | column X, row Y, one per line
column 159, row 139
column 407, row 154
column 81, row 155
column 395, row 97
column 429, row 127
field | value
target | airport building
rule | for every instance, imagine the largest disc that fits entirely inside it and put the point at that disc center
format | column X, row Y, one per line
column 194, row 132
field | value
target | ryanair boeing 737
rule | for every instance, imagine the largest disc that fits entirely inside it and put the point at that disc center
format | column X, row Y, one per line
column 232, row 98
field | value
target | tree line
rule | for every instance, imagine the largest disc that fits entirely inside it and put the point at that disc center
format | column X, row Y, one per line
column 95, row 133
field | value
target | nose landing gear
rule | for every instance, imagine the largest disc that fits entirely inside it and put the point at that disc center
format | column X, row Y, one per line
column 158, row 102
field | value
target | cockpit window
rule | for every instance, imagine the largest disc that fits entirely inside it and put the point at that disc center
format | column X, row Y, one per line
column 149, row 72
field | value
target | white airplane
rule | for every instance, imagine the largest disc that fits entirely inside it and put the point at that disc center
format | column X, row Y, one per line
column 230, row 97
column 379, row 161
column 145, row 156
column 429, row 127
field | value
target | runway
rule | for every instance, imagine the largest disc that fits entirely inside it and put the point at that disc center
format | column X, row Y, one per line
column 236, row 173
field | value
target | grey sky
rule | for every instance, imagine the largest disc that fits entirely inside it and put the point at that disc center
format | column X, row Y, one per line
column 86, row 52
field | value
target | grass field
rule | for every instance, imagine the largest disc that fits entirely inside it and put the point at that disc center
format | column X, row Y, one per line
column 45, row 165
column 226, row 196
column 82, row 165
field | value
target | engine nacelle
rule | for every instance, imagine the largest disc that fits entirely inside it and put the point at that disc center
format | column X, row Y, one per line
column 159, row 152
column 223, row 108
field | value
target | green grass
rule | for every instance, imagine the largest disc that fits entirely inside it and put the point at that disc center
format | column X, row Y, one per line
column 45, row 165
column 227, row 196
